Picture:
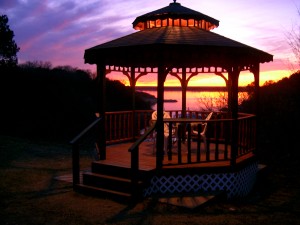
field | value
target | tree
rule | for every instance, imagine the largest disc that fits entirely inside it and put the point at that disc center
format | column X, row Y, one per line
column 8, row 47
column 293, row 39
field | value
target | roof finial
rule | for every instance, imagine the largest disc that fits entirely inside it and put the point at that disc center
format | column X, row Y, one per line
column 174, row 1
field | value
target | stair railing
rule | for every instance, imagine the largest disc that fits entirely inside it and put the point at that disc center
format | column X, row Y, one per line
column 134, row 150
column 75, row 149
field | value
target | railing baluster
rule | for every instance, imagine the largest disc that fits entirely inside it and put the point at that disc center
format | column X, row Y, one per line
column 189, row 139
column 216, row 141
column 179, row 135
column 199, row 126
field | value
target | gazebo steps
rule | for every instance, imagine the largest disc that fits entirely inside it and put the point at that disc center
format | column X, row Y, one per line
column 104, row 193
column 117, row 169
column 111, row 181
column 112, row 170
column 108, row 182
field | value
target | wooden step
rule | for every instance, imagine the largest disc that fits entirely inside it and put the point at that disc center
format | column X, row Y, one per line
column 112, row 170
column 104, row 193
column 118, row 171
column 112, row 179
column 109, row 182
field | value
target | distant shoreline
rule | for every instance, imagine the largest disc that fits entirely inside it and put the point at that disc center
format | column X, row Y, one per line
column 177, row 88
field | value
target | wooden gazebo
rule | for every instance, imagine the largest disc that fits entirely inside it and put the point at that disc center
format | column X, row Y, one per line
column 177, row 41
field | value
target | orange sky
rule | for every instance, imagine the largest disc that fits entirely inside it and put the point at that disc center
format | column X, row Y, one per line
column 205, row 79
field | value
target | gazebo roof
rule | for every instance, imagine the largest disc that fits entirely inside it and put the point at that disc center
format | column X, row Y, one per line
column 175, row 36
column 183, row 45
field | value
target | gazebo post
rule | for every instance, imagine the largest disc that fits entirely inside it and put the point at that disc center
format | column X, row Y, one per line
column 234, row 77
column 255, row 70
column 132, row 84
column 160, row 123
column 184, row 84
column 229, row 92
column 101, row 137
column 183, row 93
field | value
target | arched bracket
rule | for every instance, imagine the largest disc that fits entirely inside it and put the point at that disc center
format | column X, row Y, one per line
column 184, row 82
column 223, row 76
column 166, row 72
column 132, row 81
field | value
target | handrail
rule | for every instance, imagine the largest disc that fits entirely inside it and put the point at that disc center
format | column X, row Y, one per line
column 75, row 151
column 134, row 150
column 142, row 138
column 85, row 131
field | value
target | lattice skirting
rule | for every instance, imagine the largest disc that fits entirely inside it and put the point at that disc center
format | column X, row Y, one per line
column 235, row 184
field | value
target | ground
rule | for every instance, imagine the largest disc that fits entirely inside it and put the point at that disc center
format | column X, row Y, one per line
column 31, row 194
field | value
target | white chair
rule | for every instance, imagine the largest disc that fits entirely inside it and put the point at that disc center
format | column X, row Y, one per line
column 166, row 131
column 194, row 131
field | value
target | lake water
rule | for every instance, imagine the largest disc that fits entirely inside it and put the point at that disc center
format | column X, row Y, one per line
column 194, row 98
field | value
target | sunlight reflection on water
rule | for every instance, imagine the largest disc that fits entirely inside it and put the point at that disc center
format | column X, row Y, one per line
column 193, row 99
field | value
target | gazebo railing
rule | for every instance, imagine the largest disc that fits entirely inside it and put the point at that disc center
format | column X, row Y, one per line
column 119, row 126
column 219, row 138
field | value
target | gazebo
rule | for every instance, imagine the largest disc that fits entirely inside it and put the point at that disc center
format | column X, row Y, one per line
column 178, row 41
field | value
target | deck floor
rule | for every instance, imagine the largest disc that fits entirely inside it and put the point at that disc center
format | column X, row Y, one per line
column 119, row 155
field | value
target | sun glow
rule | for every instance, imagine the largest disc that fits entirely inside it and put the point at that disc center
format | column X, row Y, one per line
column 204, row 80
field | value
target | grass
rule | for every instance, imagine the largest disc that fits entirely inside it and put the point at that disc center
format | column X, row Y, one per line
column 31, row 195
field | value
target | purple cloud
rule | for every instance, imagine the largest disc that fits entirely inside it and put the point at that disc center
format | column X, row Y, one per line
column 60, row 31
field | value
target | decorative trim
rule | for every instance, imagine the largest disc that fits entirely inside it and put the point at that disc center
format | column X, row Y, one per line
column 235, row 184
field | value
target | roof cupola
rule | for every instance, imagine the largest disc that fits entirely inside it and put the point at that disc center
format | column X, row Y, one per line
column 174, row 15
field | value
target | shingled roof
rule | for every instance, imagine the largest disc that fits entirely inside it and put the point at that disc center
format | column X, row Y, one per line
column 188, row 45
column 178, row 40
column 172, row 36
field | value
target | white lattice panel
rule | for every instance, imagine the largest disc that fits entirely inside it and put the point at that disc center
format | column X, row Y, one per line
column 237, row 184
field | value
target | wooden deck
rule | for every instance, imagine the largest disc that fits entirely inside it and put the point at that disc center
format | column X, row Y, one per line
column 131, row 175
column 118, row 155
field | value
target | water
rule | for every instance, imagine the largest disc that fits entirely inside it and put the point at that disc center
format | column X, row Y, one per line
column 197, row 100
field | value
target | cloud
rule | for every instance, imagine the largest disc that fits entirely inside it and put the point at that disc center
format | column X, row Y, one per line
column 59, row 31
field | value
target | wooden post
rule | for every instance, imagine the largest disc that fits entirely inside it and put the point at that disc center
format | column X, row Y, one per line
column 101, row 137
column 160, row 123
column 255, row 71
column 234, row 77
column 75, row 165
column 184, row 84
column 183, row 93
column 134, row 174
column 179, row 135
column 133, row 83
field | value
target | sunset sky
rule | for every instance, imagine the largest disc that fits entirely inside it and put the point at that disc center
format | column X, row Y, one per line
column 58, row 31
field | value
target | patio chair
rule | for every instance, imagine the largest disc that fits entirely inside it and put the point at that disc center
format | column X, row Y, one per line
column 194, row 130
column 166, row 131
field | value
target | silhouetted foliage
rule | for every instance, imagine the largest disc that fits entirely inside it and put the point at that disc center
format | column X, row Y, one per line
column 293, row 39
column 37, row 100
column 122, row 98
column 279, row 118
column 8, row 47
